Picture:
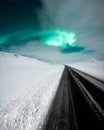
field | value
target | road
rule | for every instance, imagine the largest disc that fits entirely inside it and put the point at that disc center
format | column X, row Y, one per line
column 78, row 104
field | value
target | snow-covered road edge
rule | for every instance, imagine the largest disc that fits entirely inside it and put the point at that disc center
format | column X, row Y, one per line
column 94, row 68
column 28, row 111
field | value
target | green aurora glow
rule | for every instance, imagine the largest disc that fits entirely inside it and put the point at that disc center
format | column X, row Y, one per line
column 59, row 38
column 51, row 37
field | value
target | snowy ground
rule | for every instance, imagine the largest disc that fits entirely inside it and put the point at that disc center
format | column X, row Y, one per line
column 28, row 110
column 92, row 67
column 30, row 86
column 18, row 72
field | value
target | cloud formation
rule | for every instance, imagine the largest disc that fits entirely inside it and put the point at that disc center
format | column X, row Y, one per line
column 84, row 17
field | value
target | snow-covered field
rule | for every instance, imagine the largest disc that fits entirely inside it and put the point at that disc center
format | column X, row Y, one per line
column 27, row 109
column 30, row 86
column 92, row 67
column 18, row 72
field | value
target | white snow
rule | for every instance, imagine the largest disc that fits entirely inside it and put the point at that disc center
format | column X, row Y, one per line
column 93, row 67
column 28, row 110
column 18, row 72
column 30, row 86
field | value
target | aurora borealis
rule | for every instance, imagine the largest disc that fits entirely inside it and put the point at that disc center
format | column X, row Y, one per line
column 52, row 30
column 60, row 38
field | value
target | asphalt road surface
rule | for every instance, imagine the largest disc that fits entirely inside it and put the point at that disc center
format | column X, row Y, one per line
column 78, row 104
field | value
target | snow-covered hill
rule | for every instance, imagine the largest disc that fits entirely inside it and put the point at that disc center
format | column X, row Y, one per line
column 30, row 86
column 93, row 67
column 18, row 72
column 28, row 110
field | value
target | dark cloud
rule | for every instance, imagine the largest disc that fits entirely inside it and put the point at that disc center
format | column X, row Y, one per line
column 73, row 49
column 19, row 15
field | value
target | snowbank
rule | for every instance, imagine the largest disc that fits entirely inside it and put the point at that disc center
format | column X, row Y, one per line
column 18, row 72
column 92, row 67
column 28, row 110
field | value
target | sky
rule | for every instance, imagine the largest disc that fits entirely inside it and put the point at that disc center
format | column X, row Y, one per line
column 54, row 31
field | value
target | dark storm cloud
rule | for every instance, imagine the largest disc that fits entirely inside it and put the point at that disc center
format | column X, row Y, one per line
column 18, row 15
column 72, row 49
column 82, row 16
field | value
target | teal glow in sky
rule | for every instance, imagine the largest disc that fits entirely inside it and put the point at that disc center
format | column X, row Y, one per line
column 51, row 37
column 59, row 38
